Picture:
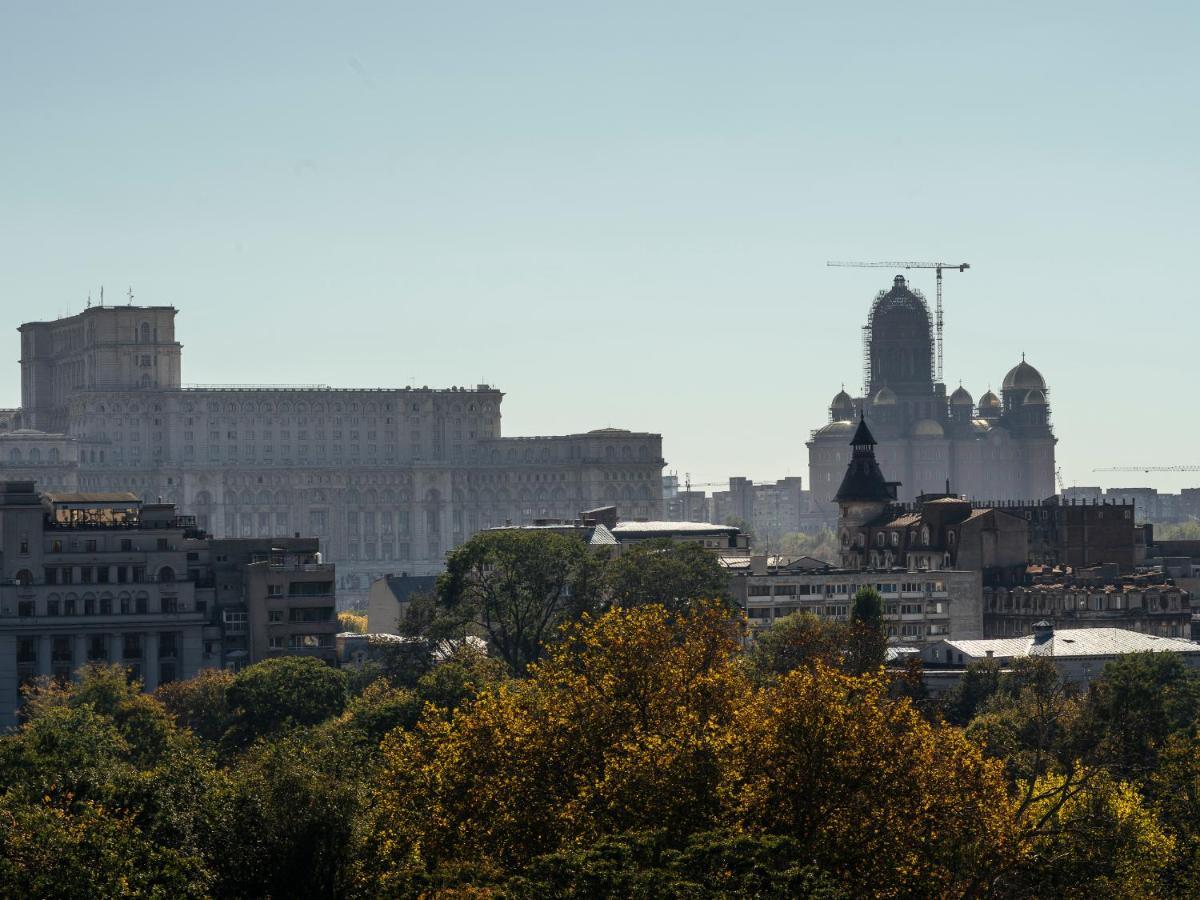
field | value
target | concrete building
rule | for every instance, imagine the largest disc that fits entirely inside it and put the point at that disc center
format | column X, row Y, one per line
column 917, row 607
column 107, row 577
column 1079, row 654
column 89, row 577
column 1001, row 448
column 389, row 597
column 1149, row 504
column 1146, row 603
column 385, row 478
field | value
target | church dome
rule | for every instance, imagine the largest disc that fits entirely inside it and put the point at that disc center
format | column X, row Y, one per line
column 1024, row 377
column 989, row 401
column 961, row 397
column 927, row 428
column 1035, row 398
column 900, row 303
column 839, row 428
column 842, row 406
column 885, row 396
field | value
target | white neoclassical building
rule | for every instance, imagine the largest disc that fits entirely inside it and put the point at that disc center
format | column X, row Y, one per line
column 389, row 479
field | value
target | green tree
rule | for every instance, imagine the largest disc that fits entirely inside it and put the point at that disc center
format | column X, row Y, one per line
column 200, row 704
column 514, row 588
column 291, row 823
column 799, row 638
column 675, row 574
column 1140, row 700
column 979, row 682
column 281, row 693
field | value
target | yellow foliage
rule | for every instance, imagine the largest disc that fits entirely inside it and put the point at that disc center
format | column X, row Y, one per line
column 355, row 622
column 641, row 719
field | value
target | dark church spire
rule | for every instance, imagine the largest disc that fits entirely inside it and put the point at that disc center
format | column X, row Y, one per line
column 864, row 479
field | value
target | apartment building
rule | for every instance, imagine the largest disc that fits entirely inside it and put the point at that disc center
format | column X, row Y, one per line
column 918, row 607
column 105, row 577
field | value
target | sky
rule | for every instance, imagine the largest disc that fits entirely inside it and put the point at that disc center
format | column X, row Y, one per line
column 620, row 213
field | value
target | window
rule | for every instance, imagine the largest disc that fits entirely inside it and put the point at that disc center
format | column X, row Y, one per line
column 25, row 608
column 275, row 642
column 235, row 621
column 275, row 615
column 126, row 545
column 274, row 590
column 310, row 641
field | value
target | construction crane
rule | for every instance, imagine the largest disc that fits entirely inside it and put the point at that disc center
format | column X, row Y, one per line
column 1062, row 484
column 936, row 266
column 1149, row 469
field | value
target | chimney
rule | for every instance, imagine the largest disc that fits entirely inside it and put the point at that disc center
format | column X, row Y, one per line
column 758, row 565
column 1042, row 631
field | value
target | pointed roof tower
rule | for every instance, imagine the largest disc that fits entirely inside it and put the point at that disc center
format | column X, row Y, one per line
column 864, row 479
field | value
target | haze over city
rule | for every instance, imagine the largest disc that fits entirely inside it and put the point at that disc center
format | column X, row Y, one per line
column 621, row 216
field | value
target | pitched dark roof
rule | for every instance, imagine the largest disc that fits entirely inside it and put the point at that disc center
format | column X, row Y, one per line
column 862, row 435
column 864, row 479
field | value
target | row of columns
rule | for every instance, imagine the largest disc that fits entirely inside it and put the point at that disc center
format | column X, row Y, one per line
column 114, row 652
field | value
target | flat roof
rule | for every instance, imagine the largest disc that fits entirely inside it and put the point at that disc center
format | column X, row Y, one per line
column 673, row 528
column 122, row 497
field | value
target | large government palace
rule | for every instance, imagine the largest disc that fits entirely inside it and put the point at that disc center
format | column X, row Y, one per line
column 1001, row 448
column 388, row 478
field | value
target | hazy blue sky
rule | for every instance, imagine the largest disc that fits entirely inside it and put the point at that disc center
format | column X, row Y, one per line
column 620, row 213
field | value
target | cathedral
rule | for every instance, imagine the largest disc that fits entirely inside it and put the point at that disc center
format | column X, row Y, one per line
column 999, row 448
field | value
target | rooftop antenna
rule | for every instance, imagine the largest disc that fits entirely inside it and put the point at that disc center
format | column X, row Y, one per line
column 131, row 295
column 89, row 306
column 101, row 295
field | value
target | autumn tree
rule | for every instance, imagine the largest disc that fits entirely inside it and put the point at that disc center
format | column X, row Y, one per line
column 641, row 718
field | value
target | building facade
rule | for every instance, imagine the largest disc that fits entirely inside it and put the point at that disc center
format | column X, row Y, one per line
column 1148, row 604
column 917, row 607
column 387, row 479
column 1001, row 448
column 108, row 578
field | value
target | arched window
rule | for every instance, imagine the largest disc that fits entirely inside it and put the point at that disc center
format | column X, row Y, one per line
column 35, row 455
column 925, row 535
column 145, row 333
column 166, row 573
column 14, row 455
column 24, row 578
column 53, row 454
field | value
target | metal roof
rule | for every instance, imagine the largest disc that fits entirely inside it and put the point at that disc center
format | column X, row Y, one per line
column 628, row 528
column 1074, row 642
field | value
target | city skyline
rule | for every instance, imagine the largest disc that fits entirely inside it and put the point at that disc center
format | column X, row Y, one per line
column 569, row 223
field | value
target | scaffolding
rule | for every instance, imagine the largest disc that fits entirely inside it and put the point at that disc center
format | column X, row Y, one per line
column 888, row 300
